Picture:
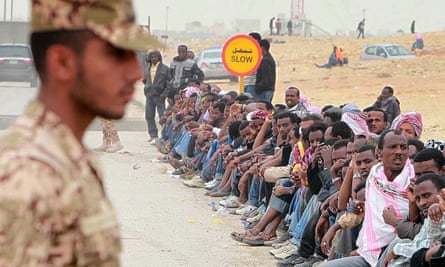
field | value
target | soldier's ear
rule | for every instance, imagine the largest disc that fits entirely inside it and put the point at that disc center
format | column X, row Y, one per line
column 62, row 62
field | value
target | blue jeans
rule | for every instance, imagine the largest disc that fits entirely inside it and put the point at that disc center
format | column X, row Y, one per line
column 294, row 212
column 267, row 95
column 207, row 170
column 250, row 89
column 254, row 192
column 219, row 165
column 175, row 136
column 331, row 62
column 181, row 144
column 297, row 225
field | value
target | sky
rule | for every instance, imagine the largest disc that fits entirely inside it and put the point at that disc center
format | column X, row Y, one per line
column 382, row 16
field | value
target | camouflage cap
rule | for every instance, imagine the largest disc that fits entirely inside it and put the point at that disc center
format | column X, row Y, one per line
column 112, row 20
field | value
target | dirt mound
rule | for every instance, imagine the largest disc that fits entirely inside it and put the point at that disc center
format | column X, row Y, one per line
column 417, row 82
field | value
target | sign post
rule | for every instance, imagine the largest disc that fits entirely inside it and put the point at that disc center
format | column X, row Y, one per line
column 241, row 56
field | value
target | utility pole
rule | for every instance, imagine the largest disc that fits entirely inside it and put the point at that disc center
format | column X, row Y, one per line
column 297, row 9
column 4, row 10
column 148, row 24
column 166, row 20
column 12, row 8
column 164, row 36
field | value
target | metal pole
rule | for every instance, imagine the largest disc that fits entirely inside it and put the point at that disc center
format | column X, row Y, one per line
column 241, row 84
column 12, row 8
column 4, row 10
column 166, row 20
column 148, row 25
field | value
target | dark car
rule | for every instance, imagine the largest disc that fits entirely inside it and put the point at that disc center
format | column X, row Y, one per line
column 16, row 64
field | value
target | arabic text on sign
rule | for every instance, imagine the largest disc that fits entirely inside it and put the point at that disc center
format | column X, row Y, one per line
column 242, row 51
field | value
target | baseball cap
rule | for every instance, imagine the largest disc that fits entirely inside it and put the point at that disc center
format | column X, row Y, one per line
column 112, row 20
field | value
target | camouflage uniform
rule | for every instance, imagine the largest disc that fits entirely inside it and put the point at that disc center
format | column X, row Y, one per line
column 53, row 207
column 113, row 20
column 110, row 135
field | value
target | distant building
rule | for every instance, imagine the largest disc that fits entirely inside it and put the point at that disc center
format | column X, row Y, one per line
column 195, row 27
column 14, row 32
column 247, row 25
column 218, row 29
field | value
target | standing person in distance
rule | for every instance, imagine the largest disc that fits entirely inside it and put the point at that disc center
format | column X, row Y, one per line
column 361, row 29
column 289, row 27
column 110, row 137
column 271, row 22
column 278, row 26
column 156, row 79
column 266, row 74
column 182, row 70
column 413, row 27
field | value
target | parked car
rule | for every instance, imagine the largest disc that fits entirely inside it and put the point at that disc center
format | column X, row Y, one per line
column 385, row 51
column 209, row 60
column 17, row 64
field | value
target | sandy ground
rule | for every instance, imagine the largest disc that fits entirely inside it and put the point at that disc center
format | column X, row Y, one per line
column 418, row 82
column 165, row 223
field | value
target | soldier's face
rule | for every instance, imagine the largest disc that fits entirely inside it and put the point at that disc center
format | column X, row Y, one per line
column 106, row 78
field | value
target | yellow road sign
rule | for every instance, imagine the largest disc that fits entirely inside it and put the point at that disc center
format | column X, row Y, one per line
column 241, row 55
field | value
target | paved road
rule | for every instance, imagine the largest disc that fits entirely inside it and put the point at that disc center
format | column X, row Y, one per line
column 15, row 96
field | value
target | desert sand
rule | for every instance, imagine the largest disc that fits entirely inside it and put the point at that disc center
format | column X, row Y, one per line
column 418, row 83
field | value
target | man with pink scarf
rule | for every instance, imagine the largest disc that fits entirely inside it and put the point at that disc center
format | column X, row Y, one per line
column 386, row 186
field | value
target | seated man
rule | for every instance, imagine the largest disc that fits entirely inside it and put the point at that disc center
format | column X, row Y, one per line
column 433, row 256
column 336, row 58
column 386, row 184
column 399, row 252
column 426, row 161
column 418, row 44
column 377, row 120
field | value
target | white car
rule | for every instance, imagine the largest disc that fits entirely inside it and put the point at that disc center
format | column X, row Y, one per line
column 209, row 60
column 17, row 64
column 385, row 51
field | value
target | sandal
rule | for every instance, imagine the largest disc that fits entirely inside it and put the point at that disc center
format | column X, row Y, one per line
column 250, row 225
column 207, row 193
column 232, row 203
column 219, row 193
column 284, row 239
column 250, row 214
column 240, row 236
column 262, row 239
